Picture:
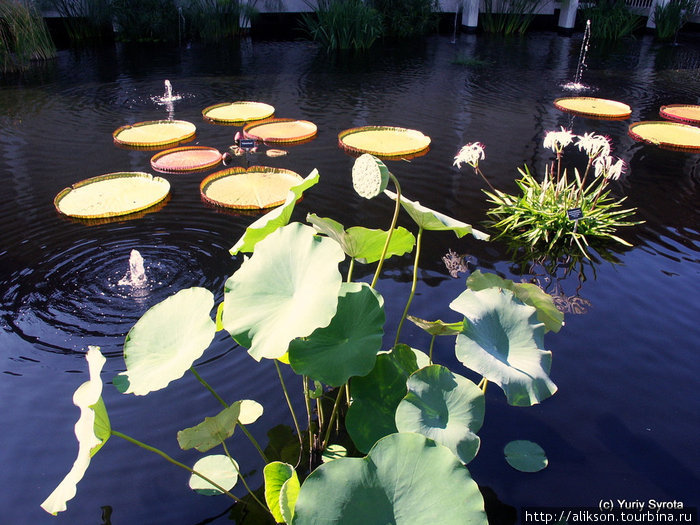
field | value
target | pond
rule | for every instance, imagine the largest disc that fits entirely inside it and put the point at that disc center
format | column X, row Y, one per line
column 624, row 422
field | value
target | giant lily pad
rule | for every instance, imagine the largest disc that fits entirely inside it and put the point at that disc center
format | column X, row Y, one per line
column 255, row 188
column 428, row 219
column 164, row 343
column 502, row 340
column 363, row 244
column 154, row 133
column 406, row 479
column 384, row 141
column 444, row 407
column 237, row 112
column 274, row 219
column 287, row 289
column 92, row 431
column 348, row 346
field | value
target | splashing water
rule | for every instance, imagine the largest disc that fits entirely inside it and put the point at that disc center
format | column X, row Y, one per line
column 576, row 85
column 168, row 95
column 136, row 276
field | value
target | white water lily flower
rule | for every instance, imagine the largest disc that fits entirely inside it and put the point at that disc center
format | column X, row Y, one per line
column 370, row 176
column 594, row 145
column 607, row 168
column 470, row 153
column 86, row 397
column 558, row 140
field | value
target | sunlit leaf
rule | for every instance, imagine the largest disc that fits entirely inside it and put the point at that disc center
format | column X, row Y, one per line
column 166, row 341
column 92, row 431
column 437, row 327
column 212, row 431
column 406, row 479
column 333, row 452
column 503, row 341
column 432, row 220
column 348, row 346
column 287, row 289
column 220, row 469
column 281, row 490
column 250, row 411
column 529, row 293
column 444, row 407
column 274, row 219
column 525, row 456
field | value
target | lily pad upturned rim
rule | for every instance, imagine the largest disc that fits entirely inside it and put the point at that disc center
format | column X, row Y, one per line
column 636, row 131
column 189, row 131
column 674, row 112
column 607, row 110
column 238, row 171
column 266, row 111
column 404, row 152
column 250, row 130
column 108, row 176
column 185, row 167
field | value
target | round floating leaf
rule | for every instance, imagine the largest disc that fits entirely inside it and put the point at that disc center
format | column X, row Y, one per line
column 432, row 220
column 164, row 343
column 444, row 407
column 220, row 469
column 363, row 244
column 348, row 346
column 503, row 341
column 525, row 456
column 281, row 490
column 287, row 289
column 92, row 431
column 530, row 294
column 376, row 396
column 406, row 479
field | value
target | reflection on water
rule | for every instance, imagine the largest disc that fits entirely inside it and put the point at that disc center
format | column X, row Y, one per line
column 631, row 354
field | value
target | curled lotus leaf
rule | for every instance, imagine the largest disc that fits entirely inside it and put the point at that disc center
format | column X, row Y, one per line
column 287, row 289
column 444, row 407
column 405, row 479
column 503, row 341
column 281, row 490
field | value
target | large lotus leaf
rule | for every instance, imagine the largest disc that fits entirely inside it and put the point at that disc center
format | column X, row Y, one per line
column 406, row 479
column 287, row 289
column 212, row 431
column 529, row 293
column 432, row 220
column 274, row 219
column 281, row 490
column 376, row 396
column 220, row 469
column 164, row 343
column 503, row 341
column 348, row 346
column 444, row 407
column 92, row 431
column 363, row 244
column 525, row 456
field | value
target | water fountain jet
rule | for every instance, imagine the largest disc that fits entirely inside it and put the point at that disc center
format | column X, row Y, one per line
column 136, row 276
column 576, row 85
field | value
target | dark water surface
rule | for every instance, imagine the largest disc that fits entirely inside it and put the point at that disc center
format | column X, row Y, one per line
column 624, row 423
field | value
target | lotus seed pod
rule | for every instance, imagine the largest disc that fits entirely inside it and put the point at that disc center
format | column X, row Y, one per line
column 370, row 176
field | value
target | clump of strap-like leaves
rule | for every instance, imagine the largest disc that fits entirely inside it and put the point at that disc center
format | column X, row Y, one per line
column 412, row 421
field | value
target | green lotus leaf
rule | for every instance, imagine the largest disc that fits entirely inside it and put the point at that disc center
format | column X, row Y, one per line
column 503, row 341
column 529, row 293
column 525, row 456
column 92, row 431
column 281, row 490
column 432, row 220
column 220, row 469
column 287, row 289
column 437, row 327
column 250, row 411
column 333, row 452
column 376, row 396
column 164, row 343
column 405, row 479
column 363, row 244
column 348, row 346
column 445, row 407
column 274, row 219
column 212, row 431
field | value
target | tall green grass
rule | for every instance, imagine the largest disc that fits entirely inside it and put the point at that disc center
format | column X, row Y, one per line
column 670, row 18
column 84, row 20
column 215, row 20
column 145, row 20
column 509, row 17
column 343, row 24
column 408, row 18
column 24, row 36
column 611, row 19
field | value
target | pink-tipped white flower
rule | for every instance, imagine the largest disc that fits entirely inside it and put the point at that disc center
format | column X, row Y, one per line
column 471, row 154
column 594, row 145
column 558, row 140
column 608, row 168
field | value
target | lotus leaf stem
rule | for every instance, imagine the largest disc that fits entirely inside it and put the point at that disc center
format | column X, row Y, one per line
column 394, row 219
column 419, row 237
column 242, row 478
column 331, row 420
column 351, row 267
column 307, row 402
column 430, row 351
column 289, row 402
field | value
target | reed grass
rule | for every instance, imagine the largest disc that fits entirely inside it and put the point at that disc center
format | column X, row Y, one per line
column 216, row 20
column 24, row 37
column 343, row 24
column 408, row 18
column 84, row 20
column 611, row 19
column 509, row 17
column 670, row 18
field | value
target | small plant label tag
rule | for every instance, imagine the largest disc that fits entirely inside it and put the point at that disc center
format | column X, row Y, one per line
column 246, row 144
column 574, row 214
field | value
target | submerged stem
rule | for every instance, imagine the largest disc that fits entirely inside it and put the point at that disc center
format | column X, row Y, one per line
column 413, row 284
column 289, row 402
column 394, row 219
column 242, row 478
